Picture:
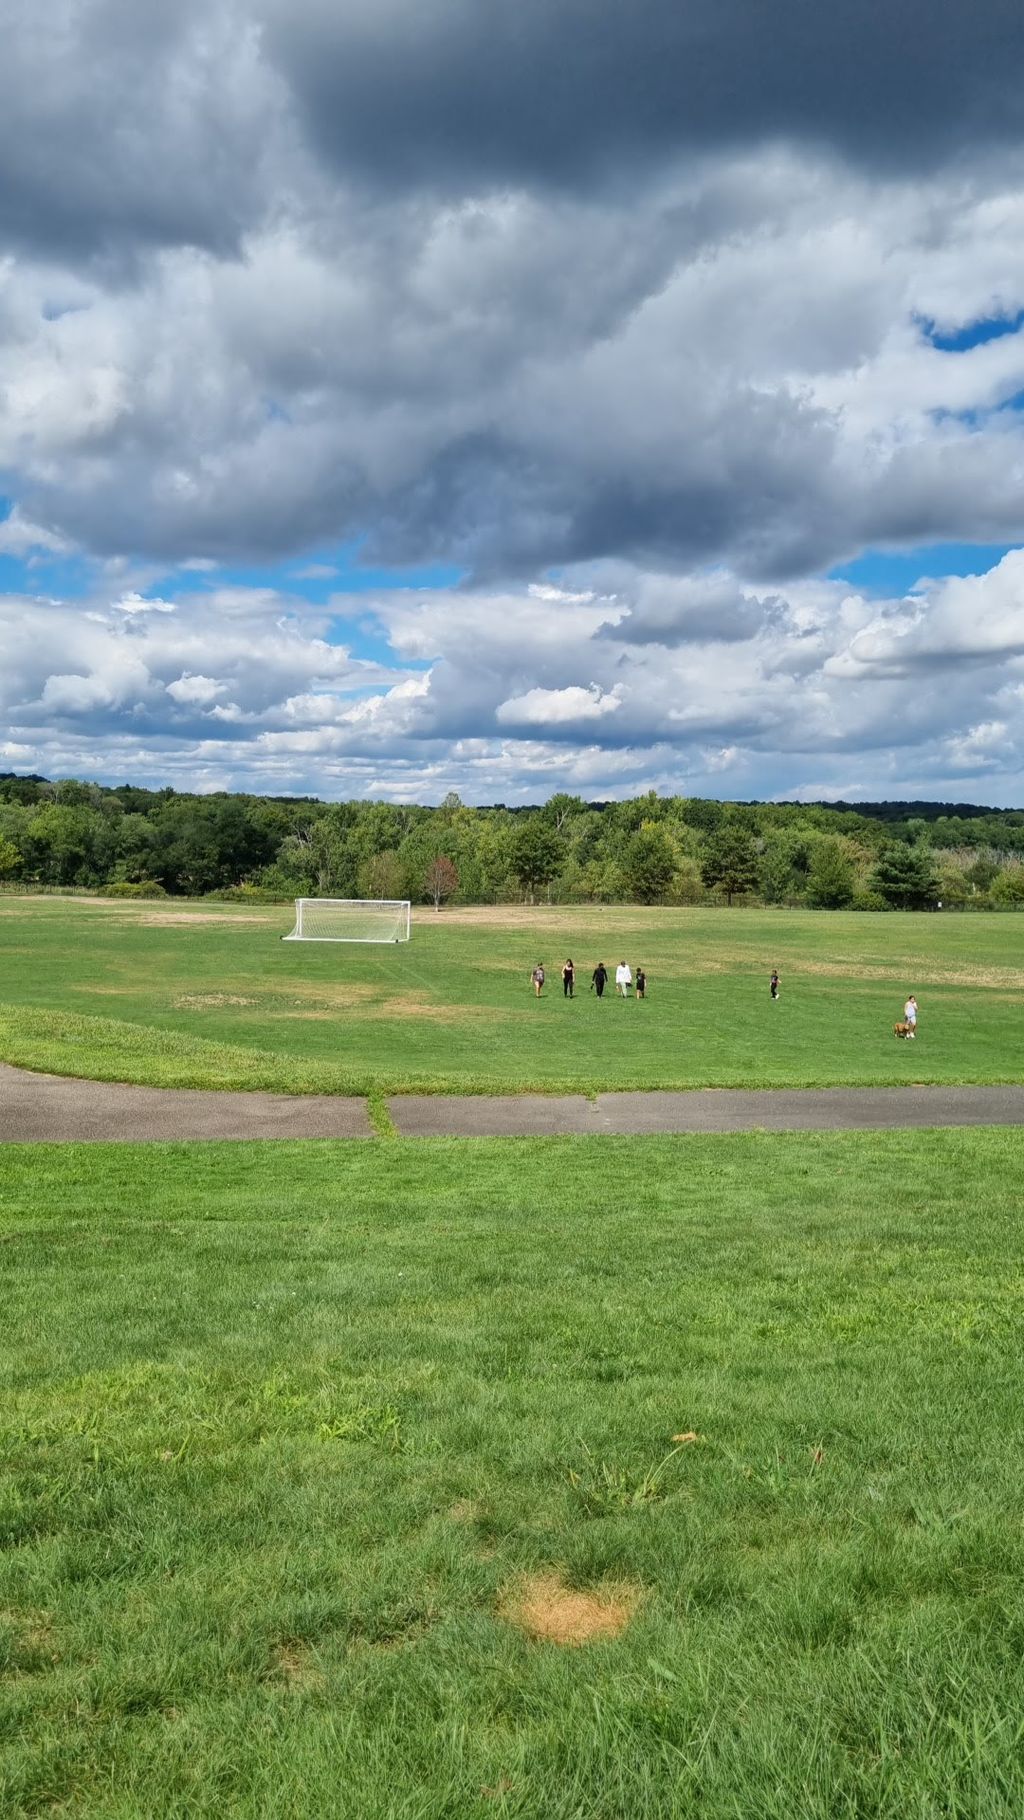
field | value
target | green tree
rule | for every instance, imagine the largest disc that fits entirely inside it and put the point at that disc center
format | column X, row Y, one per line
column 11, row 860
column 379, row 829
column 830, row 882
column 981, row 872
column 729, row 862
column 775, row 868
column 381, row 876
column 1008, row 889
column 648, row 864
column 953, row 888
column 561, row 809
column 703, row 813
column 69, row 845
column 536, row 852
column 905, row 877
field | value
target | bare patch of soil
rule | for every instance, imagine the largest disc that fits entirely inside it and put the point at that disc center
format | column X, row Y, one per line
column 145, row 910
column 209, row 1001
column 33, row 1633
column 404, row 1005
column 295, row 1664
column 921, row 973
column 169, row 919
column 551, row 1612
column 408, row 1005
column 543, row 916
column 326, row 995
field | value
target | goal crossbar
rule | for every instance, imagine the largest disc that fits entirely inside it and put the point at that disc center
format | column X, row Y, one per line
column 351, row 919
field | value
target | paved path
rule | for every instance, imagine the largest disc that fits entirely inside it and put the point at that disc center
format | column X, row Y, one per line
column 45, row 1108
column 38, row 1108
column 712, row 1109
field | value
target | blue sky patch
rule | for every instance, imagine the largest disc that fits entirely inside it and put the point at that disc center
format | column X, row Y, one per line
column 892, row 573
column 972, row 334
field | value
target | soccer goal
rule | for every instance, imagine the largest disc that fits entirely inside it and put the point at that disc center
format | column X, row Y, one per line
column 350, row 919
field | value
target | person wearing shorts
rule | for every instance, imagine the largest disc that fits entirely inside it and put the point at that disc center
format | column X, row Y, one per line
column 910, row 1015
column 537, row 976
column 599, row 979
column 623, row 979
column 773, row 983
column 641, row 983
column 568, row 979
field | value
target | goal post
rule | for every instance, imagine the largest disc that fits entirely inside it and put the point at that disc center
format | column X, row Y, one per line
column 351, row 919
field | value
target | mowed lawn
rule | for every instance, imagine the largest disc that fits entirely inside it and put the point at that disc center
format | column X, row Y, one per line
column 212, row 997
column 343, row 1480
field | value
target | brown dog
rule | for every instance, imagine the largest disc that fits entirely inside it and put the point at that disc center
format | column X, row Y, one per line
column 901, row 1030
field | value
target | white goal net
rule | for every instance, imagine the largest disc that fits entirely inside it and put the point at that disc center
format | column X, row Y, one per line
column 350, row 919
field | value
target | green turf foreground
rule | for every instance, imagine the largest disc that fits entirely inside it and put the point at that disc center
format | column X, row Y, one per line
column 283, row 1425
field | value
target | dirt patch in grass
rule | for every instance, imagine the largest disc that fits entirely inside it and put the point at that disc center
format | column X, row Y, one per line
column 209, row 1001
column 542, row 916
column 169, row 919
column 551, row 1612
column 32, row 1637
column 408, row 1005
column 465, row 1510
column 327, row 995
column 902, row 967
column 295, row 1664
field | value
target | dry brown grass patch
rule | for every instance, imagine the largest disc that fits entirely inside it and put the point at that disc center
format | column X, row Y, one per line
column 32, row 1633
column 295, row 1664
column 587, row 917
column 209, row 1001
column 551, row 1612
column 325, row 994
column 410, row 1005
column 906, row 967
column 169, row 919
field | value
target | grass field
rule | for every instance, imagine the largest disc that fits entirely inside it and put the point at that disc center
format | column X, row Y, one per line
column 314, row 1455
column 171, row 994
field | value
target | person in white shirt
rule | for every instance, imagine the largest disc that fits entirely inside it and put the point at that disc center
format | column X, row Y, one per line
column 910, row 1015
column 623, row 979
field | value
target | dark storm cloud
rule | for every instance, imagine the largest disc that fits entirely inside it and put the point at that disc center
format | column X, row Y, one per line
column 126, row 126
column 455, row 92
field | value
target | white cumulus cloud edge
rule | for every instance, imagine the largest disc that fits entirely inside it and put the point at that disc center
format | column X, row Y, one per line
column 508, row 696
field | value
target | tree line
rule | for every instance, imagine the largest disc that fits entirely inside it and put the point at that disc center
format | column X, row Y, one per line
column 649, row 850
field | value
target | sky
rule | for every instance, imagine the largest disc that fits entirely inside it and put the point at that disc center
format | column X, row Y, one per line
column 588, row 395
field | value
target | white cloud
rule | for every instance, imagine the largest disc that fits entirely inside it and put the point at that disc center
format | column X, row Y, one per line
column 19, row 537
column 201, row 690
column 644, row 367
column 550, row 707
column 818, row 682
column 132, row 604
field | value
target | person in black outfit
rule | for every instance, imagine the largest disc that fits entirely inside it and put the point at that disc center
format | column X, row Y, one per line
column 568, row 979
column 773, row 983
column 600, row 979
column 641, row 983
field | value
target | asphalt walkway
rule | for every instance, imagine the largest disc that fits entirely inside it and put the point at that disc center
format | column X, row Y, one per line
column 46, row 1108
